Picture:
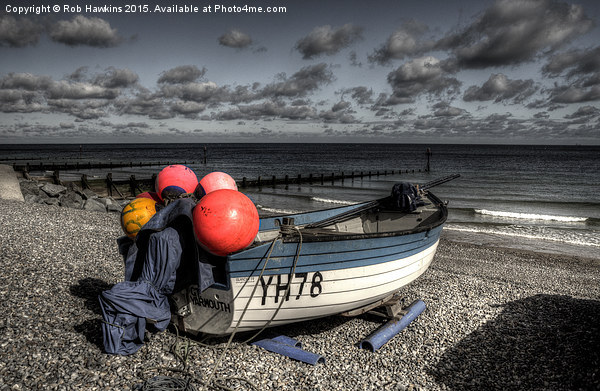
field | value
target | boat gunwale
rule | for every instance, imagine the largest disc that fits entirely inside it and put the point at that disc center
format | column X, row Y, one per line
column 293, row 236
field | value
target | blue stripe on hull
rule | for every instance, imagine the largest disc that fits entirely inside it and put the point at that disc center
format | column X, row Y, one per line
column 333, row 255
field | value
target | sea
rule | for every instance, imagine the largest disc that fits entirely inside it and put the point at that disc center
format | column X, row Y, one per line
column 530, row 197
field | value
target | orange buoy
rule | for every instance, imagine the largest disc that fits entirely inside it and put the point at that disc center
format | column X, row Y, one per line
column 225, row 221
column 151, row 195
column 217, row 180
column 174, row 180
column 136, row 214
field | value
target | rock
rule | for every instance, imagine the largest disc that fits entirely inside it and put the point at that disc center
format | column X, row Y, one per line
column 94, row 205
column 51, row 201
column 71, row 200
column 88, row 194
column 114, row 208
column 53, row 190
column 29, row 188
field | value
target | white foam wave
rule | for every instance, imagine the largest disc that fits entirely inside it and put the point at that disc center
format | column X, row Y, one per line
column 578, row 242
column 332, row 201
column 530, row 216
column 277, row 211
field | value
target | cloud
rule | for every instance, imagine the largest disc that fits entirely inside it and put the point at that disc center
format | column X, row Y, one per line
column 402, row 43
column 306, row 80
column 585, row 111
column 582, row 69
column 117, row 78
column 182, row 74
column 443, row 109
column 18, row 33
column 326, row 40
column 362, row 95
column 511, row 32
column 500, row 88
column 82, row 31
column 419, row 76
column 574, row 63
column 235, row 39
column 267, row 110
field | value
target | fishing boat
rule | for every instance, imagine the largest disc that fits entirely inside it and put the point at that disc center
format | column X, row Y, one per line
column 316, row 264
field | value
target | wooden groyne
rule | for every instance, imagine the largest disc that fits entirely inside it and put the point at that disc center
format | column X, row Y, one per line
column 66, row 166
column 124, row 188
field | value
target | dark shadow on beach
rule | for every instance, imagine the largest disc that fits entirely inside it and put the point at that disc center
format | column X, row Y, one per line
column 543, row 342
column 89, row 289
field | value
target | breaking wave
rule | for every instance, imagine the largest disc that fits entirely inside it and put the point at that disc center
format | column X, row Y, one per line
column 332, row 201
column 530, row 216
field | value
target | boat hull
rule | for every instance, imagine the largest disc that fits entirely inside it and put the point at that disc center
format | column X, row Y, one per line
column 272, row 286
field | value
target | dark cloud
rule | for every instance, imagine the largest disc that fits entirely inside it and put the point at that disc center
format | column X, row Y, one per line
column 585, row 111
column 406, row 41
column 19, row 32
column 419, row 76
column 500, row 88
column 117, row 78
column 25, row 81
column 362, row 95
column 326, row 40
column 574, row 63
column 301, row 83
column 82, row 31
column 182, row 74
column 235, row 39
column 582, row 69
column 443, row 109
column 511, row 32
column 267, row 110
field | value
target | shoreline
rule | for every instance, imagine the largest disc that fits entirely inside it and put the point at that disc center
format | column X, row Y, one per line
column 495, row 318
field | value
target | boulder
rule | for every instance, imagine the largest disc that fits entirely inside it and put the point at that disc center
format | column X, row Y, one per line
column 114, row 208
column 53, row 190
column 71, row 200
column 88, row 194
column 30, row 188
column 94, row 205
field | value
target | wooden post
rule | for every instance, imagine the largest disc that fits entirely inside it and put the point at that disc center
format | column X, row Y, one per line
column 244, row 182
column 109, row 184
column 273, row 180
column 56, row 177
column 287, row 179
column 428, row 157
column 322, row 176
column 132, row 185
column 84, row 182
column 258, row 181
column 204, row 155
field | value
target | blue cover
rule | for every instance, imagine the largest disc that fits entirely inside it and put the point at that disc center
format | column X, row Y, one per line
column 164, row 258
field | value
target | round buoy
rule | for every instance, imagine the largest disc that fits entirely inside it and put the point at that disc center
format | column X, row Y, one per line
column 217, row 180
column 150, row 195
column 225, row 221
column 174, row 180
column 136, row 214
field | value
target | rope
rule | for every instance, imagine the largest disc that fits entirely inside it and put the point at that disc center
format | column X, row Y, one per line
column 218, row 363
column 181, row 350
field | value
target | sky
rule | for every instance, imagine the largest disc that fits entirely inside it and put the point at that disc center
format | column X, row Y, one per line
column 402, row 71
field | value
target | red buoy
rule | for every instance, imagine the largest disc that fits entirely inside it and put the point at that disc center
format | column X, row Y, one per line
column 217, row 180
column 174, row 180
column 225, row 221
column 151, row 195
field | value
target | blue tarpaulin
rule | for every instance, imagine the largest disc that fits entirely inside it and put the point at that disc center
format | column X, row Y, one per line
column 164, row 258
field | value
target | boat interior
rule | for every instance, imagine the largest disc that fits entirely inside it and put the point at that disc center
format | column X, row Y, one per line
column 376, row 219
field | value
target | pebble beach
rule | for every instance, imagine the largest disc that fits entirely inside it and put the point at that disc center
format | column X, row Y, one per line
column 495, row 319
